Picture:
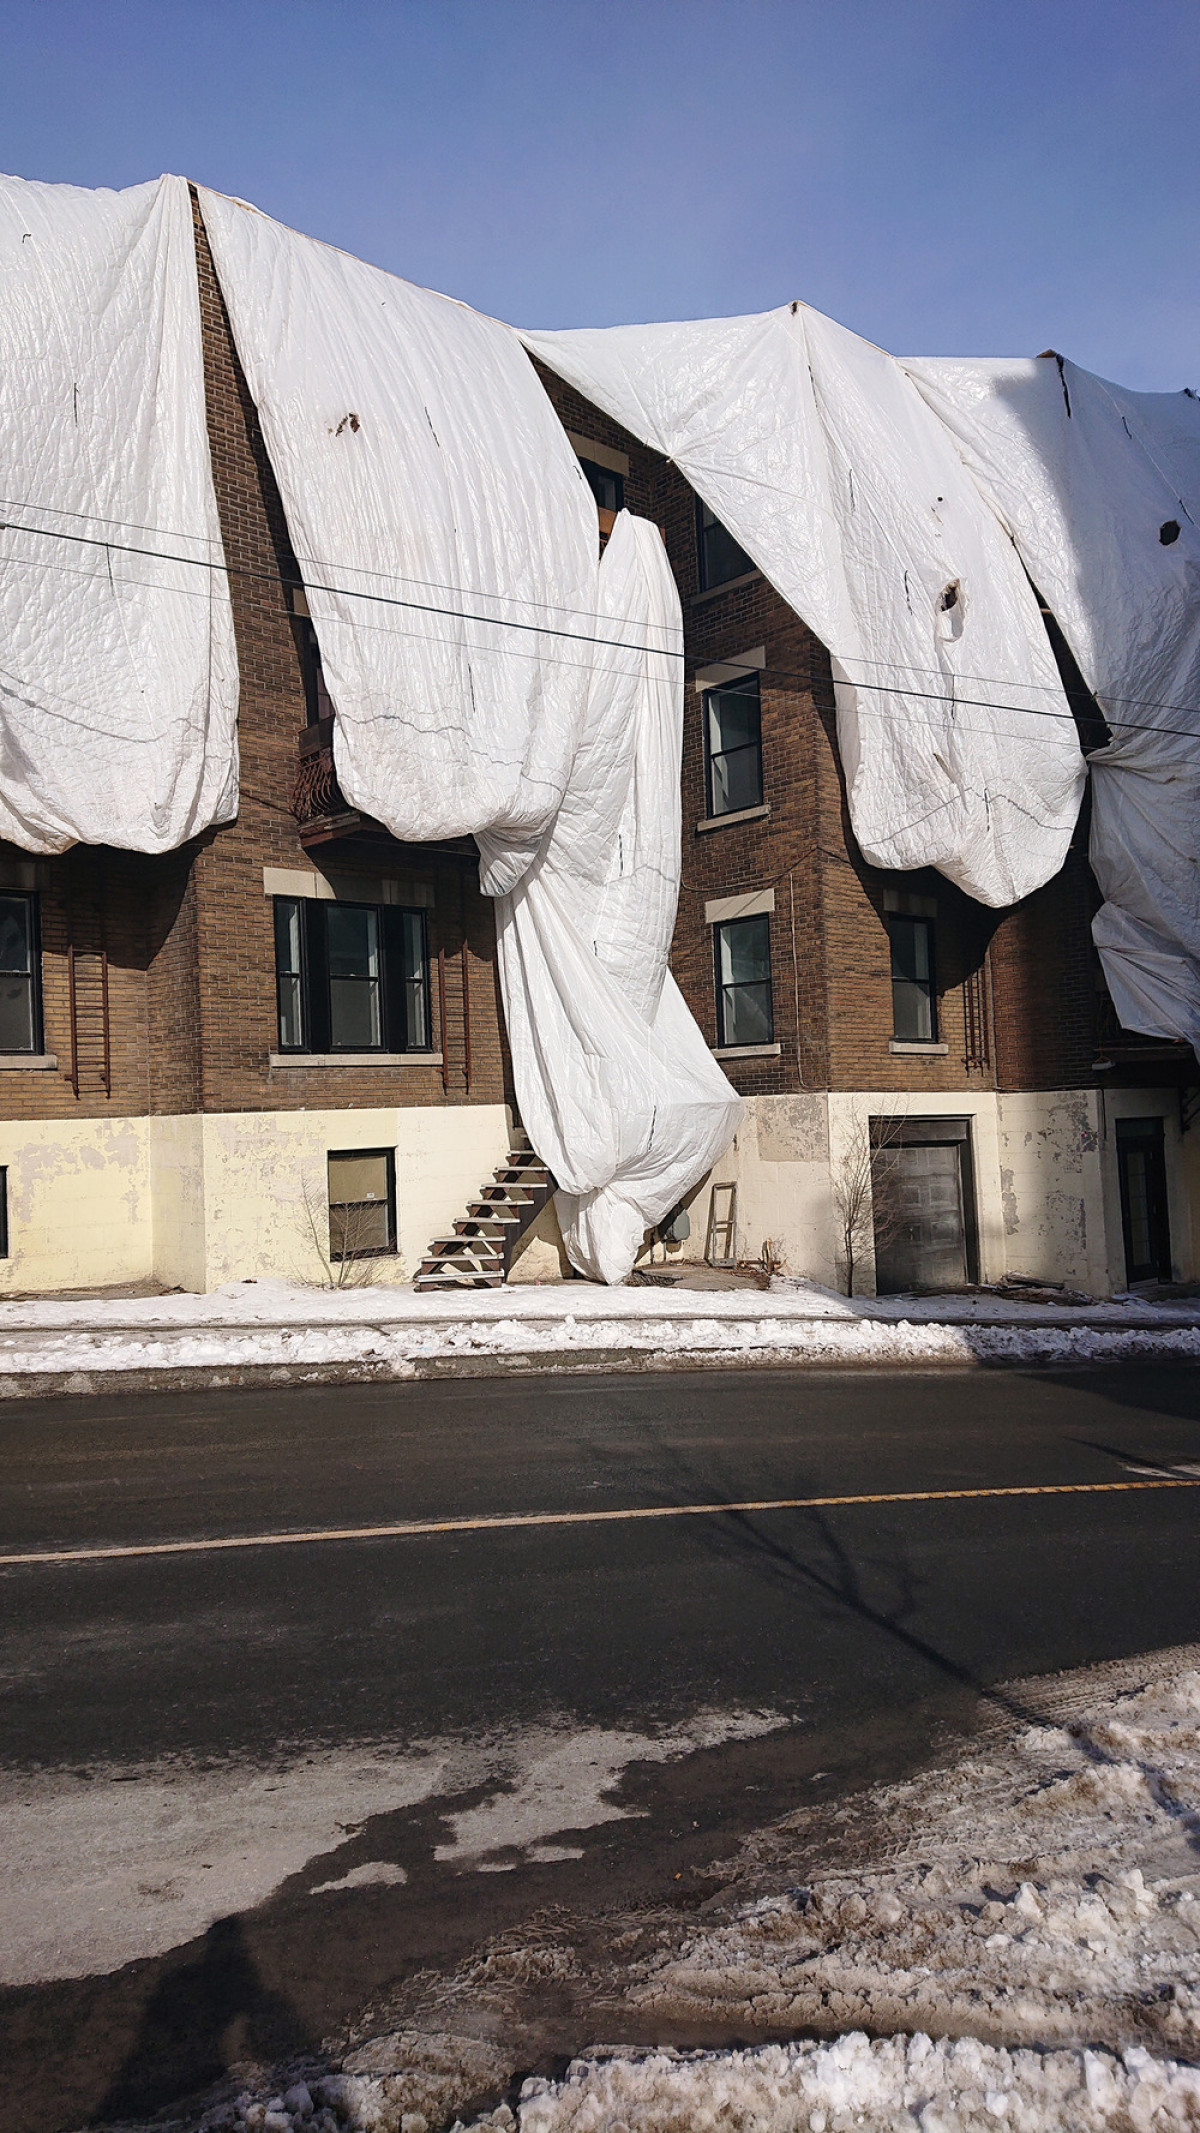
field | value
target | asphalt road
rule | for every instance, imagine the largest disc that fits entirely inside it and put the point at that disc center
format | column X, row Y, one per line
column 380, row 1750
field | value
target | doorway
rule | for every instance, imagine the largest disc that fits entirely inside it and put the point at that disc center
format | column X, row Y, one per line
column 1142, row 1170
column 924, row 1204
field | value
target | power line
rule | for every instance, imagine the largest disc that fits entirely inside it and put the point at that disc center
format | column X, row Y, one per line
column 897, row 666
column 541, row 630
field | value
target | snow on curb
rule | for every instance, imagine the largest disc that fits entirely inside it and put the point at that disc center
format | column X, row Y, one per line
column 81, row 1359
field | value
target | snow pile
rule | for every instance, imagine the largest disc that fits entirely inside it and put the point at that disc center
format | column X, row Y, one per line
column 885, row 2085
column 118, row 699
column 395, row 1332
column 888, row 2085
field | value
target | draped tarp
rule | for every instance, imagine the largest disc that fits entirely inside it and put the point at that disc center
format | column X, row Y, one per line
column 118, row 672
column 443, row 528
column 1100, row 490
column 488, row 679
column 823, row 459
column 617, row 1087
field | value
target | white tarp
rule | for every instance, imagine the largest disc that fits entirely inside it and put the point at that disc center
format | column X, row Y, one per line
column 823, row 460
column 118, row 672
column 614, row 1079
column 482, row 683
column 1100, row 490
column 444, row 530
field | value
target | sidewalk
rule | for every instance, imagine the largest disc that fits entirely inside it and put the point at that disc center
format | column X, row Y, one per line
column 278, row 1333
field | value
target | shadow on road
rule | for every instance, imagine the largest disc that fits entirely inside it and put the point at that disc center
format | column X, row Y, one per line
column 202, row 2018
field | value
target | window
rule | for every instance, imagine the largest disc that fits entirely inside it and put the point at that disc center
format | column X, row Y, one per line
column 351, row 977
column 605, row 483
column 720, row 556
column 20, row 971
column 733, row 746
column 743, row 954
column 318, row 703
column 914, row 998
column 362, row 1202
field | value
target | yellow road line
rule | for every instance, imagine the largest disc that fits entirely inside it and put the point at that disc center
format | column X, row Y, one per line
column 411, row 1529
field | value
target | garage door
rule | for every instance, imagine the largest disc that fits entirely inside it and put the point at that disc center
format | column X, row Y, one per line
column 920, row 1231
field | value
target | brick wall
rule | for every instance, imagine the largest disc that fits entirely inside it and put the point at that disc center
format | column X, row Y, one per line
column 1016, row 1005
column 191, row 960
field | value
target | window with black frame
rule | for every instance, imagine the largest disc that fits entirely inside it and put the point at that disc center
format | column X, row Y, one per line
column 351, row 977
column 914, row 992
column 362, row 1202
column 20, row 975
column 733, row 746
column 743, row 959
column 721, row 557
column 605, row 483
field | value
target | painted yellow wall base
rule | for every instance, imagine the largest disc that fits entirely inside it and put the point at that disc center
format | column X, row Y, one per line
column 198, row 1200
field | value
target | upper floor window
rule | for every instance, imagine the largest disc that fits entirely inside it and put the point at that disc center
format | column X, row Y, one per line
column 743, row 958
column 914, row 994
column 733, row 746
column 20, row 975
column 351, row 977
column 318, row 703
column 605, row 483
column 721, row 558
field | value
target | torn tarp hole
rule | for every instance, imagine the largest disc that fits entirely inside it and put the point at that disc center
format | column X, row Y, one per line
column 1168, row 532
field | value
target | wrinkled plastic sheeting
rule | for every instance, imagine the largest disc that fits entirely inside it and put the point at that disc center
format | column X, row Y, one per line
column 487, row 682
column 443, row 529
column 825, row 463
column 118, row 688
column 1100, row 490
column 617, row 1087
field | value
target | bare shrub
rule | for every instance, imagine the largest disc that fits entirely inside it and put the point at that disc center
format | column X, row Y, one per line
column 866, row 1187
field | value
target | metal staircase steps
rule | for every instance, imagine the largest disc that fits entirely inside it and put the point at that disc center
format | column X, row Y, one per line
column 480, row 1250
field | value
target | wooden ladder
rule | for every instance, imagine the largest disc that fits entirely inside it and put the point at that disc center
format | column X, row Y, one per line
column 722, row 1227
column 91, row 1032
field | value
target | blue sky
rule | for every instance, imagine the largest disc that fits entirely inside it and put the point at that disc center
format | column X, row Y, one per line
column 944, row 176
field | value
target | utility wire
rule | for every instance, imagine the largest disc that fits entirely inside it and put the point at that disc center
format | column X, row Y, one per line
column 541, row 630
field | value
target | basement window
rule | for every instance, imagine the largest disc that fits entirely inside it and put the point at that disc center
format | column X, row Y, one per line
column 362, row 1203
column 733, row 746
column 743, row 959
column 20, row 975
column 351, row 977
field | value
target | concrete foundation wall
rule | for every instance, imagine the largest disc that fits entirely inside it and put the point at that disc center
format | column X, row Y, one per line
column 198, row 1200
column 1044, row 1169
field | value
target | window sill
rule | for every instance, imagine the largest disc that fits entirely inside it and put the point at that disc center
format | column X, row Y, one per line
column 928, row 1049
column 713, row 592
column 28, row 1062
column 353, row 1059
column 747, row 1051
column 739, row 814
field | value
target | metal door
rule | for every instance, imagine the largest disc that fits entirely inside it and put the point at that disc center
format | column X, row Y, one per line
column 920, row 1233
column 1143, row 1174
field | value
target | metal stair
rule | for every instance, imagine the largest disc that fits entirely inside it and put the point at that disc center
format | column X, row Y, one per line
column 480, row 1252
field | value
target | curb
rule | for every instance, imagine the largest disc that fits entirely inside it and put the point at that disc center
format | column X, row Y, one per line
column 1133, row 1345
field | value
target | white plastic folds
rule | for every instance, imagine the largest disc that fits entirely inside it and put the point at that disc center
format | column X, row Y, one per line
column 824, row 461
column 118, row 673
column 489, row 679
column 1100, row 490
column 617, row 1083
